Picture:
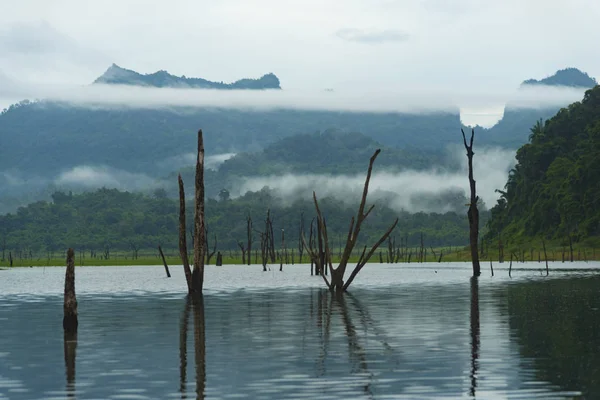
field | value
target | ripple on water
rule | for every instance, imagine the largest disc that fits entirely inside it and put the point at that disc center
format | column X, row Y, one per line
column 403, row 332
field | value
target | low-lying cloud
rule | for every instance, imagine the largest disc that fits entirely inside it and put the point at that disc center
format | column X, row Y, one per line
column 377, row 100
column 89, row 177
column 436, row 190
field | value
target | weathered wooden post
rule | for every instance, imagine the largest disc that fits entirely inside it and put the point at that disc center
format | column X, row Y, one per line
column 219, row 261
column 473, row 213
column 70, row 321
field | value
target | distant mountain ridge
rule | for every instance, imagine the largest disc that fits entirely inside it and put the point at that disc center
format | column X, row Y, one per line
column 116, row 75
column 571, row 77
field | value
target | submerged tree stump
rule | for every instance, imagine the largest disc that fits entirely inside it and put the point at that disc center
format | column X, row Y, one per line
column 70, row 301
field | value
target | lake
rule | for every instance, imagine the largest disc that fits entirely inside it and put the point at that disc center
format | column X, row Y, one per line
column 404, row 331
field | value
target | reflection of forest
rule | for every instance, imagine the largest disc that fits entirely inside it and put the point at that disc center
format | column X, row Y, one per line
column 556, row 325
column 405, row 340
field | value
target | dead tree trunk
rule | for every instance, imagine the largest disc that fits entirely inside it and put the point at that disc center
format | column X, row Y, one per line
column 183, row 237
column 473, row 212
column 209, row 254
column 300, row 235
column 70, row 321
column 337, row 275
column 545, row 256
column 164, row 262
column 249, row 238
column 243, row 249
column 198, row 272
column 571, row 247
column 196, row 282
column 282, row 249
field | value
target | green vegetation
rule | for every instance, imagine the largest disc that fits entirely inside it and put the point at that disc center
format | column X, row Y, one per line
column 554, row 190
column 108, row 219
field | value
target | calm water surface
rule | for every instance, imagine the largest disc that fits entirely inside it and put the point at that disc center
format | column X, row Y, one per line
column 404, row 332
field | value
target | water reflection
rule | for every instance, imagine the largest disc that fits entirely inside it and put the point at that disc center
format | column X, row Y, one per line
column 199, row 345
column 70, row 348
column 556, row 323
column 475, row 332
column 415, row 339
column 196, row 305
column 183, row 331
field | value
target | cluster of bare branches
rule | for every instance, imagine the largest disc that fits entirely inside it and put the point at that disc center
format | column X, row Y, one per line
column 322, row 258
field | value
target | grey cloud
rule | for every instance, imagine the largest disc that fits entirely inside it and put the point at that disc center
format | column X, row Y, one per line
column 372, row 37
column 87, row 176
column 391, row 99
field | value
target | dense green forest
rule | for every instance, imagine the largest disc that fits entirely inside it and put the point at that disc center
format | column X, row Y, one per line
column 554, row 190
column 123, row 220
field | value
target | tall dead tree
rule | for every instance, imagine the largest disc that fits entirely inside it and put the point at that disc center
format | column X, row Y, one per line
column 183, row 237
column 473, row 213
column 337, row 274
column 196, row 281
column 198, row 272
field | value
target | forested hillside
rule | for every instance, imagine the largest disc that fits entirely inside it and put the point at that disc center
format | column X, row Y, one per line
column 123, row 220
column 554, row 190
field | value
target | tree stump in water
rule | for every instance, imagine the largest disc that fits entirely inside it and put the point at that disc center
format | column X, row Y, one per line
column 70, row 301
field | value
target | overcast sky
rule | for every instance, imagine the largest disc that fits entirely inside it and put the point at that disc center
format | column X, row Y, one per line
column 317, row 44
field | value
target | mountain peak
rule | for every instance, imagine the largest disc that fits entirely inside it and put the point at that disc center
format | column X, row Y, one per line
column 116, row 75
column 571, row 77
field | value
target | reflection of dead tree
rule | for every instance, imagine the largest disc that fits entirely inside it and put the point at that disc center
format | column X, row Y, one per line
column 475, row 332
column 195, row 304
column 199, row 345
column 473, row 213
column 183, row 330
column 337, row 275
